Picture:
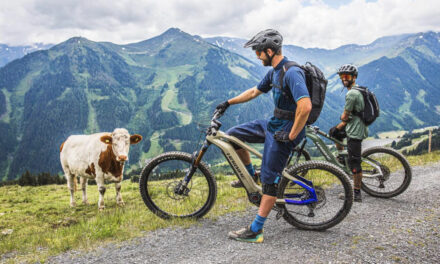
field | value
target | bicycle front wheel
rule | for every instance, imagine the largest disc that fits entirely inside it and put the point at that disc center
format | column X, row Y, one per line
column 386, row 172
column 333, row 191
column 160, row 181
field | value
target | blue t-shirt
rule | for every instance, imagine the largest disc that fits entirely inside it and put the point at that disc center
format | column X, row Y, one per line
column 294, row 79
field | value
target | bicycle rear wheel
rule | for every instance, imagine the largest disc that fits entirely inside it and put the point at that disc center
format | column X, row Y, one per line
column 394, row 175
column 303, row 156
column 330, row 185
column 163, row 174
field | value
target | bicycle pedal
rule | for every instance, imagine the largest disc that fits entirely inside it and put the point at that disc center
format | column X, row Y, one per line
column 280, row 213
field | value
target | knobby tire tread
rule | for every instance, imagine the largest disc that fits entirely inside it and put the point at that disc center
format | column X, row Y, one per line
column 327, row 166
column 403, row 161
column 177, row 155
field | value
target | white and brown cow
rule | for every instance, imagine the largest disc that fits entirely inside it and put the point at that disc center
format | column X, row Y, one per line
column 98, row 156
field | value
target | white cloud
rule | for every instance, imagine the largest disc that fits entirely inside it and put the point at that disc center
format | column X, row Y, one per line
column 307, row 23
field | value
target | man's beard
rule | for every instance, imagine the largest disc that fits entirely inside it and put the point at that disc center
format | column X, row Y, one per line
column 266, row 62
column 349, row 83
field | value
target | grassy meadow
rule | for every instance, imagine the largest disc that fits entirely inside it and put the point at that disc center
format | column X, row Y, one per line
column 37, row 222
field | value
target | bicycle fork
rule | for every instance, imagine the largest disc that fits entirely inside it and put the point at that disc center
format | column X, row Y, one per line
column 182, row 187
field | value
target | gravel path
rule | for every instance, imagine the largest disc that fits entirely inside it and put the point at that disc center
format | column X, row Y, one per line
column 404, row 229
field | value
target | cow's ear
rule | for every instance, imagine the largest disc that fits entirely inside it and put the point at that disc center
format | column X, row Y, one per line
column 134, row 139
column 106, row 139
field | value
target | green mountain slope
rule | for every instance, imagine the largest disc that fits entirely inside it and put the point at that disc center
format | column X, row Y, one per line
column 159, row 88
column 166, row 88
column 402, row 70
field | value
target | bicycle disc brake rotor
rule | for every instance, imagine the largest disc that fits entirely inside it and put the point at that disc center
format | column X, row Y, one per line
column 385, row 172
column 171, row 190
column 320, row 195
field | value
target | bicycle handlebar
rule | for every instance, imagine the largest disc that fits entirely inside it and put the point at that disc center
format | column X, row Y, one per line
column 215, row 124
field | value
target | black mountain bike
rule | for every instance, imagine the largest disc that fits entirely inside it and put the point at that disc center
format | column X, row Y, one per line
column 179, row 184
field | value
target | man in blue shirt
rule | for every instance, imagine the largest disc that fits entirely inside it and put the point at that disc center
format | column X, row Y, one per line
column 281, row 133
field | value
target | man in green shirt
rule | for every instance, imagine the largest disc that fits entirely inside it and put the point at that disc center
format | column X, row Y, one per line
column 352, row 126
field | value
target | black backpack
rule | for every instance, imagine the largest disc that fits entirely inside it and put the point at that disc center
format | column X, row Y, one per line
column 371, row 109
column 316, row 85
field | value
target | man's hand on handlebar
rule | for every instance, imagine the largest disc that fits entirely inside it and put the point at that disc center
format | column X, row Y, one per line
column 221, row 108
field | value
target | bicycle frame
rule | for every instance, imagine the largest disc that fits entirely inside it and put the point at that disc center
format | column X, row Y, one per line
column 313, row 133
column 222, row 140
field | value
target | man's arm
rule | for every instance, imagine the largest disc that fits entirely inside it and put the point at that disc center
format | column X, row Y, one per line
column 344, row 118
column 245, row 96
column 303, row 108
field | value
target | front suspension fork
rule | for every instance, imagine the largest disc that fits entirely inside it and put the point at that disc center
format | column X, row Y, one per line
column 182, row 188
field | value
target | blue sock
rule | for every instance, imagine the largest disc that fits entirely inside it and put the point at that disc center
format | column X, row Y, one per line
column 250, row 169
column 258, row 223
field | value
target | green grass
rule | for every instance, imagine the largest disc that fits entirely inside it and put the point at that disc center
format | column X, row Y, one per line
column 44, row 224
column 155, row 148
column 424, row 159
column 392, row 134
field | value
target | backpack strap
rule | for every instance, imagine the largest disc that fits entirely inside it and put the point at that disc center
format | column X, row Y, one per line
column 361, row 89
column 286, row 67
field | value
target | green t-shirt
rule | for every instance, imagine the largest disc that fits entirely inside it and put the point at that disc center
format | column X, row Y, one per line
column 355, row 128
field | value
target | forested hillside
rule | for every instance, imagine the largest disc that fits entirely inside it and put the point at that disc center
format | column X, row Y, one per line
column 165, row 88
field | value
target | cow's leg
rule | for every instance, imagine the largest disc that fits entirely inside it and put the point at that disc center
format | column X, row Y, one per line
column 101, row 189
column 119, row 200
column 71, row 185
column 83, row 182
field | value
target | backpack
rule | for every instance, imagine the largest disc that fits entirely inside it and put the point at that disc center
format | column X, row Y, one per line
column 316, row 85
column 371, row 109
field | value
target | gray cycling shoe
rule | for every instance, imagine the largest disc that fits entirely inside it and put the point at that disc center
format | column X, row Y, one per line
column 239, row 184
column 247, row 235
column 357, row 196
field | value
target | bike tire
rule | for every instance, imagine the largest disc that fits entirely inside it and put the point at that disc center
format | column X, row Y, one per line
column 407, row 176
column 186, row 158
column 340, row 213
column 304, row 153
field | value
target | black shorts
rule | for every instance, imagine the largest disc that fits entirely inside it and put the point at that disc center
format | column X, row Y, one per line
column 354, row 148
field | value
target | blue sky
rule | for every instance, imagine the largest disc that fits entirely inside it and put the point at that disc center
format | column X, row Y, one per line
column 306, row 23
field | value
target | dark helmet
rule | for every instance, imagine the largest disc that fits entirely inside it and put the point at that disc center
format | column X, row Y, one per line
column 265, row 39
column 348, row 69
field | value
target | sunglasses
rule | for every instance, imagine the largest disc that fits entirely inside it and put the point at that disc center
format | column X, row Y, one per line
column 346, row 76
column 258, row 52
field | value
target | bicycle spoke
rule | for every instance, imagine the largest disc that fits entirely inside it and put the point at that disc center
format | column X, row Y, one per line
column 162, row 190
column 329, row 184
column 384, row 174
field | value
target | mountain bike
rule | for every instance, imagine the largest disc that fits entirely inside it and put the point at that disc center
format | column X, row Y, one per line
column 385, row 172
column 180, row 185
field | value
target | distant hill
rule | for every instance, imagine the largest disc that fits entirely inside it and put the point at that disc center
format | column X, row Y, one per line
column 401, row 70
column 10, row 53
column 166, row 87
column 161, row 88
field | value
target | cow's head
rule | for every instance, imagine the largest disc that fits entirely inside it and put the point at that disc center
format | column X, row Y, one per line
column 120, row 140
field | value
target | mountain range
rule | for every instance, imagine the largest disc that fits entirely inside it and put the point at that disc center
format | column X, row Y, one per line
column 10, row 53
column 165, row 88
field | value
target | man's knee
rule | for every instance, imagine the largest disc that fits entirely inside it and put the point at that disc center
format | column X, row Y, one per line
column 270, row 189
column 355, row 164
